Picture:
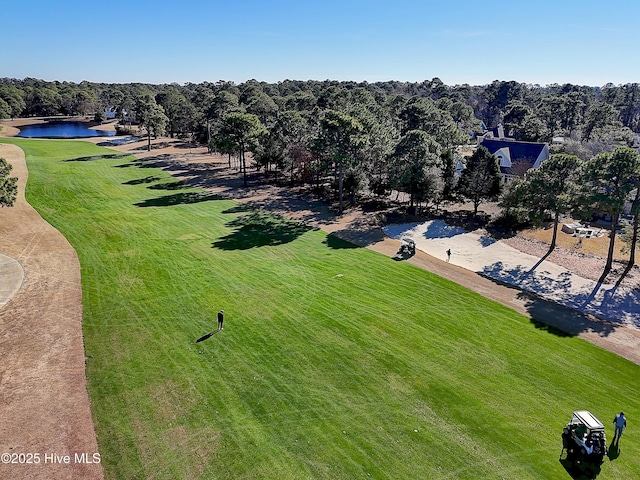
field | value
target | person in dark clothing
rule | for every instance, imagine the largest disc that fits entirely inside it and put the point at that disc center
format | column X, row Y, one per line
column 448, row 254
column 620, row 423
column 220, row 319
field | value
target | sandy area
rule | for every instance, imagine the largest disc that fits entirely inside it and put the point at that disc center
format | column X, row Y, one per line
column 44, row 398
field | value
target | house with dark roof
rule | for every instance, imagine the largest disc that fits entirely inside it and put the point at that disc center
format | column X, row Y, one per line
column 516, row 158
column 497, row 132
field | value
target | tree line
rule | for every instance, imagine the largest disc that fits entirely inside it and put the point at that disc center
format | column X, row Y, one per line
column 531, row 112
column 386, row 136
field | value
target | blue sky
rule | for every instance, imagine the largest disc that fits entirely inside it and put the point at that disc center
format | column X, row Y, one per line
column 115, row 41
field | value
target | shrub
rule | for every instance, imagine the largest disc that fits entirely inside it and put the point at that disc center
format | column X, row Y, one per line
column 122, row 130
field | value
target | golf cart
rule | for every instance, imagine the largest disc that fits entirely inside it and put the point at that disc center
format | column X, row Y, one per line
column 584, row 440
column 407, row 249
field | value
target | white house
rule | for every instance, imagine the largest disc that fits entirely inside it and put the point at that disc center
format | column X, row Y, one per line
column 110, row 113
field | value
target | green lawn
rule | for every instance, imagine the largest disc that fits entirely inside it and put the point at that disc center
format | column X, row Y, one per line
column 335, row 362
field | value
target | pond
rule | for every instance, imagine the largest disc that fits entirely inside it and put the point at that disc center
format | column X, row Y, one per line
column 62, row 130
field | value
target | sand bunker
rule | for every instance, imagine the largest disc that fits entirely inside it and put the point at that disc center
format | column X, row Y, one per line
column 494, row 259
column 11, row 276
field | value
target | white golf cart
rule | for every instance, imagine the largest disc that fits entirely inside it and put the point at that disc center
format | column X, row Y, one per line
column 584, row 439
column 407, row 249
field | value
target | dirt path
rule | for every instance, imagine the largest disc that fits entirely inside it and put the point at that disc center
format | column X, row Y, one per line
column 43, row 394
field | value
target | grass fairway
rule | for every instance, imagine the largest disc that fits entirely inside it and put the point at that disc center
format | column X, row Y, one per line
column 335, row 362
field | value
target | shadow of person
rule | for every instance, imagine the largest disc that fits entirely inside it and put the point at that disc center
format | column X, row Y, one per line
column 208, row 335
column 614, row 451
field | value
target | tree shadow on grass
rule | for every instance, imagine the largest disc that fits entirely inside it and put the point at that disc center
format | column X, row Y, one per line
column 558, row 332
column 139, row 164
column 335, row 242
column 91, row 158
column 148, row 165
column 559, row 320
column 178, row 199
column 125, row 165
column 177, row 185
column 260, row 229
column 240, row 208
column 139, row 181
column 360, row 232
column 156, row 161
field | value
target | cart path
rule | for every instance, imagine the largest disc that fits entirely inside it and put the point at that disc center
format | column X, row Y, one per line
column 43, row 391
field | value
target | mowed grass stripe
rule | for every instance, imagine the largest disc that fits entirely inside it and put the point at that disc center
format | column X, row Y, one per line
column 335, row 362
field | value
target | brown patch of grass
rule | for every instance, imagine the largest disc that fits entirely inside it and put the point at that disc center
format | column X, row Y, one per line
column 171, row 401
column 192, row 449
column 198, row 444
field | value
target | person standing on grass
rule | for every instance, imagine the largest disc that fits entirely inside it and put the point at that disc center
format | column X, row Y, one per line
column 220, row 319
column 620, row 423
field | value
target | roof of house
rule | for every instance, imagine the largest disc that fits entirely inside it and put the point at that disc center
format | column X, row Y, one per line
column 516, row 155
